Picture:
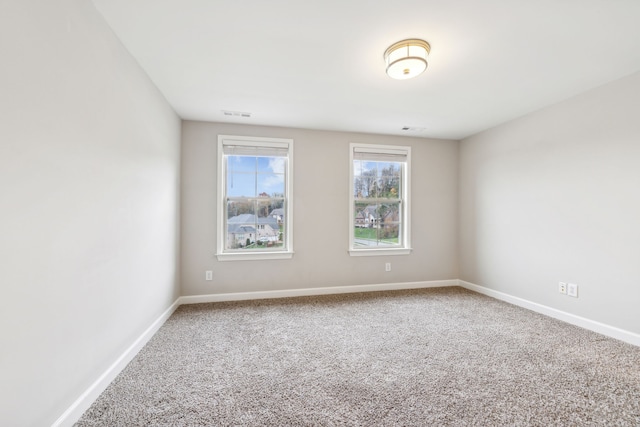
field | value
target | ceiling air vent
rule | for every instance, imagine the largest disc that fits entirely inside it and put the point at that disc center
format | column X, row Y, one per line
column 413, row 129
column 236, row 113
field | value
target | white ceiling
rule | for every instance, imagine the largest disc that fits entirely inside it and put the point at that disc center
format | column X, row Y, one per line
column 319, row 65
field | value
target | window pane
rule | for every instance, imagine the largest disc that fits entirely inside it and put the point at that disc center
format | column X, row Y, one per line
column 365, row 180
column 255, row 224
column 268, row 227
column 389, row 179
column 365, row 224
column 241, row 184
column 236, row 208
column 271, row 184
column 241, row 225
column 378, row 192
column 255, row 176
column 277, row 212
column 389, row 223
column 377, row 224
column 271, row 164
column 364, row 215
column 377, row 179
column 241, row 163
column 360, row 188
column 389, row 235
column 357, row 168
column 282, row 227
column 254, row 190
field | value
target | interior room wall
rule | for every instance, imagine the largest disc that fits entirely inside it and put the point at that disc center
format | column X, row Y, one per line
column 554, row 196
column 89, row 178
column 321, row 200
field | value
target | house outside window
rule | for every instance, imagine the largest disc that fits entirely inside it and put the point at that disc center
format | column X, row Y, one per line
column 379, row 217
column 254, row 198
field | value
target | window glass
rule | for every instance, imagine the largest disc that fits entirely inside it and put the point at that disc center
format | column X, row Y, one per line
column 256, row 195
column 379, row 213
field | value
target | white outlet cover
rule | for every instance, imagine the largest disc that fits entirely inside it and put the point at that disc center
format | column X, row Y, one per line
column 572, row 290
column 562, row 287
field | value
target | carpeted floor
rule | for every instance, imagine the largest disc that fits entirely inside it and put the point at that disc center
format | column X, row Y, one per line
column 432, row 357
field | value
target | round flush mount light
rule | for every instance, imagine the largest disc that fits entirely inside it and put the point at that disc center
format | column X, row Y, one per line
column 407, row 58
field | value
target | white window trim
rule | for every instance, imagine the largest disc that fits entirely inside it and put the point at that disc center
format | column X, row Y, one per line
column 406, row 209
column 221, row 234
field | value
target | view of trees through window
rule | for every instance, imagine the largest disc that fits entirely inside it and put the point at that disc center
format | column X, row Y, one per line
column 255, row 198
column 377, row 203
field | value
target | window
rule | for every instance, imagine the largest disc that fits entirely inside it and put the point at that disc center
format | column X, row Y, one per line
column 254, row 198
column 379, row 200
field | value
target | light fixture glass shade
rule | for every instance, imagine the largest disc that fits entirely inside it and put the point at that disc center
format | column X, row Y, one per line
column 407, row 58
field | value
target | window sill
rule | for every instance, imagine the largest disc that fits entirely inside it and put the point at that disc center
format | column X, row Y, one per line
column 253, row 256
column 379, row 252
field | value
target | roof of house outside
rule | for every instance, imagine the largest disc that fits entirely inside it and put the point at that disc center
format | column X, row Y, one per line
column 239, row 229
column 250, row 219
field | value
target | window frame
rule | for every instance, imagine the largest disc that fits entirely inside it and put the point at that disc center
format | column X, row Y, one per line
column 405, row 200
column 224, row 254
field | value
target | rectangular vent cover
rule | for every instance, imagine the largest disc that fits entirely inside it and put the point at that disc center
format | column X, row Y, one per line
column 236, row 113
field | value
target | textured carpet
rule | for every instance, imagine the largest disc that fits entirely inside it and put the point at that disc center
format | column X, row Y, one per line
column 442, row 356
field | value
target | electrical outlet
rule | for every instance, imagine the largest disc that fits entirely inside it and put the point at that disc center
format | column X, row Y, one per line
column 209, row 275
column 572, row 290
column 562, row 288
column 387, row 267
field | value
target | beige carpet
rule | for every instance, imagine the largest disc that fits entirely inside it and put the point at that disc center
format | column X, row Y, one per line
column 430, row 357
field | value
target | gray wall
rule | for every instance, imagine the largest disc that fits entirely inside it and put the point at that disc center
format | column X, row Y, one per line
column 555, row 196
column 321, row 185
column 89, row 178
column 90, row 184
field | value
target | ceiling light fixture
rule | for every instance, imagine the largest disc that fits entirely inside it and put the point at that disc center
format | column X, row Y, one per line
column 407, row 58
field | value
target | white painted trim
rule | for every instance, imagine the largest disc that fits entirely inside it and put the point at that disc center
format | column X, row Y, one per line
column 592, row 325
column 75, row 411
column 253, row 256
column 380, row 252
column 242, row 296
column 405, row 249
column 82, row 403
column 221, row 203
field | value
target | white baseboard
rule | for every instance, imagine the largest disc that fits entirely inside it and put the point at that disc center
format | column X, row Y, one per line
column 76, row 410
column 592, row 325
column 241, row 296
column 82, row 403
